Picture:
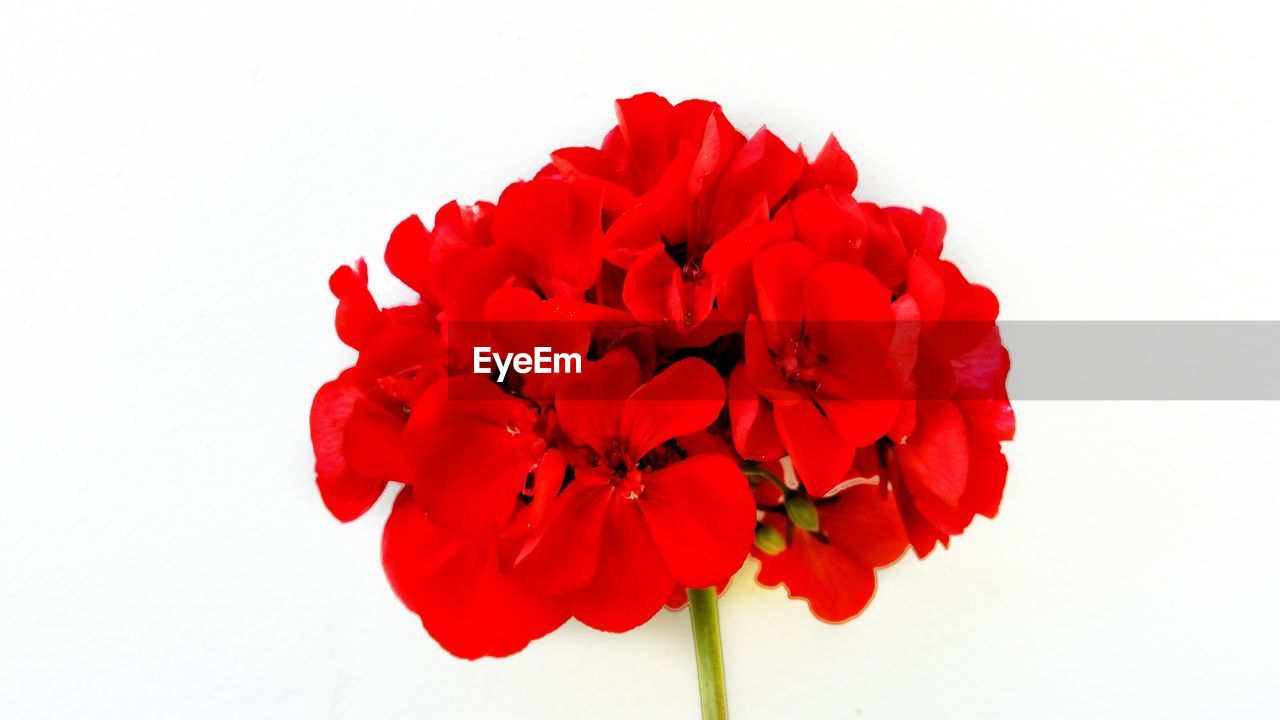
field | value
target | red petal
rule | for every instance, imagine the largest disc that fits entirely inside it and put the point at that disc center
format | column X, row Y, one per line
column 848, row 312
column 407, row 254
column 831, row 168
column 935, row 227
column 470, row 449
column 751, row 418
column 457, row 586
column 465, row 292
column 958, row 314
column 780, row 272
column 935, row 459
column 923, row 535
column 982, row 371
column 631, row 582
column 518, row 321
column 555, row 226
column 935, row 378
column 717, row 142
column 987, row 471
column 730, row 260
column 635, row 231
column 764, row 165
column 836, row 586
column 946, row 519
column 820, row 455
column 744, row 241
column 831, row 224
column 561, row 554
column 684, row 398
column 927, row 288
column 702, row 516
column 357, row 318
column 511, row 314
column 903, row 351
column 767, row 494
column 589, row 407
column 403, row 360
column 330, row 411
column 642, row 120
column 886, row 257
column 762, row 369
column 656, row 291
column 864, row 523
column 346, row 494
column 861, row 422
column 374, row 442
column 584, row 161
column 547, row 480
column 921, row 231
column 849, row 316
column 988, row 419
column 460, row 235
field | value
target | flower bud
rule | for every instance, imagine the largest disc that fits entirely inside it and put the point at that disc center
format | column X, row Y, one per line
column 802, row 513
column 769, row 540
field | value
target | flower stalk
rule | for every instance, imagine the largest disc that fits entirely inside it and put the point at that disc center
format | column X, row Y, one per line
column 705, row 618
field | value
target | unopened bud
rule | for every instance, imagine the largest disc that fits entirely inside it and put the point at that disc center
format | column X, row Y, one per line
column 802, row 513
column 770, row 541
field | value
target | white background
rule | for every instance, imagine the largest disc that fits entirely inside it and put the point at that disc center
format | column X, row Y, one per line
column 177, row 183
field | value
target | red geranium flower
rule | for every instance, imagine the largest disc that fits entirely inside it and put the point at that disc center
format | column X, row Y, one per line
column 453, row 263
column 693, row 200
column 946, row 463
column 638, row 518
column 461, row 586
column 470, row 448
column 829, row 557
column 356, row 420
column 864, row 413
column 821, row 353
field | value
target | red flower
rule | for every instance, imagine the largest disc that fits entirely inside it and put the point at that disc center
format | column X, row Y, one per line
column 356, row 420
column 637, row 519
column 517, row 320
column 444, row 265
column 831, row 563
column 551, row 231
column 947, row 465
column 820, row 353
column 703, row 197
column 470, row 447
column 676, row 259
column 461, row 587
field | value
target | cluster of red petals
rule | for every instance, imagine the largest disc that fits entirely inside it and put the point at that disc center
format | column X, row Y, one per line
column 771, row 368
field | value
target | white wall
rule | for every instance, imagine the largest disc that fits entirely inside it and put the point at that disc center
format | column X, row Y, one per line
column 176, row 183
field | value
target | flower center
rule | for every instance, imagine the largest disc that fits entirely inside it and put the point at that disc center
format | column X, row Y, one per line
column 692, row 271
column 799, row 360
column 626, row 473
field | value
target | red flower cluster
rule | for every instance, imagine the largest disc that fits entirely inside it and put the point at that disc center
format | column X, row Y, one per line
column 770, row 367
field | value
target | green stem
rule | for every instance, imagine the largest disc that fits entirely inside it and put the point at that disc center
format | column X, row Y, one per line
column 755, row 471
column 706, row 645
